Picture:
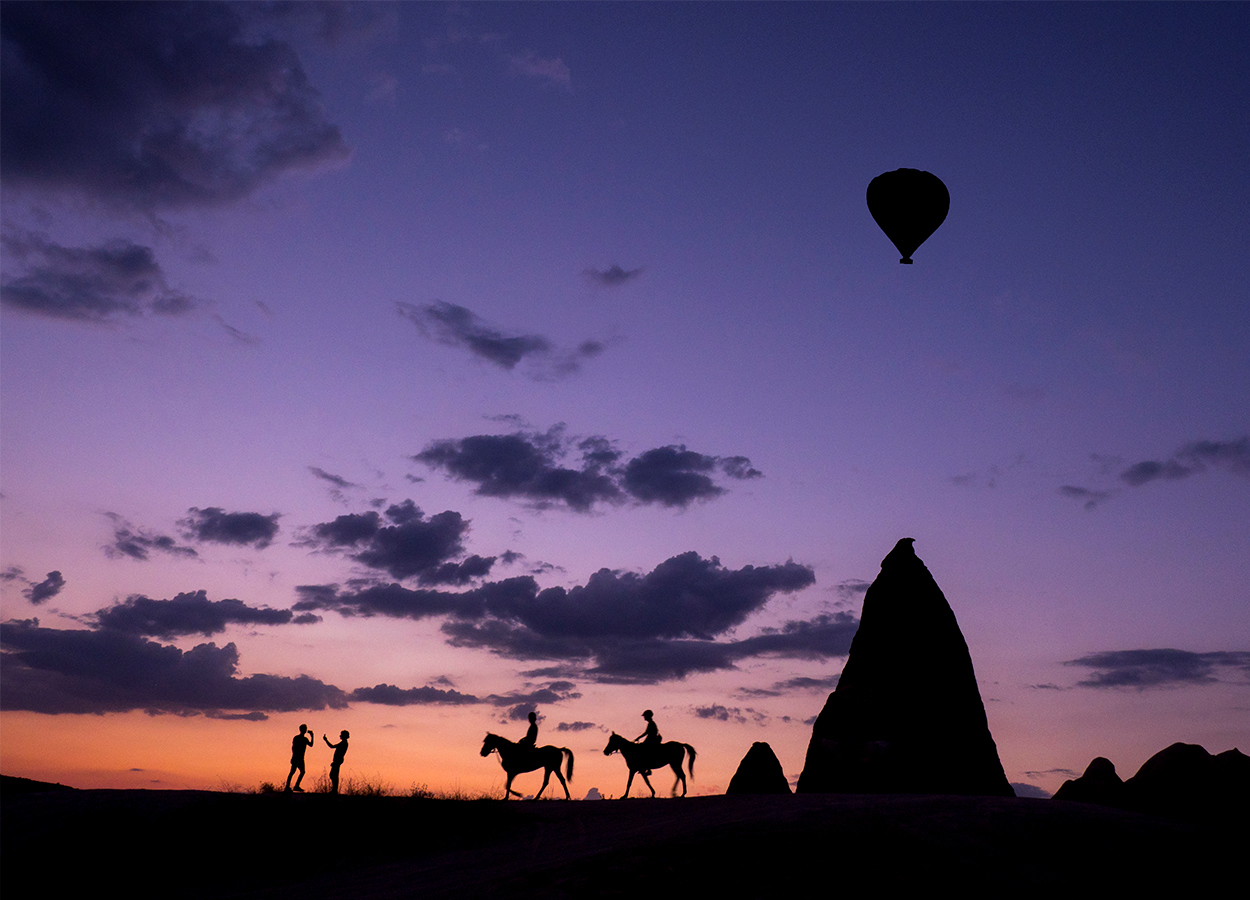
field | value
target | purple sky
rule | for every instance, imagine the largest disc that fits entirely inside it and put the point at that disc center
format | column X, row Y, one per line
column 452, row 360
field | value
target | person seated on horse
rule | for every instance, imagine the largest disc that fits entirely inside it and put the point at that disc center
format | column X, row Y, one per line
column 650, row 739
column 530, row 741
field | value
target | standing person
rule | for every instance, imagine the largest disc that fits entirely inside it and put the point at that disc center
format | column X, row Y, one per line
column 340, row 751
column 650, row 738
column 299, row 744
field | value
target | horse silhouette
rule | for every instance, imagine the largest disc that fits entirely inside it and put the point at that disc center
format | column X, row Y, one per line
column 516, row 759
column 639, row 758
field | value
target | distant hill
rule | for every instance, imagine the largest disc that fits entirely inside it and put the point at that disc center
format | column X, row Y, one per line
column 12, row 784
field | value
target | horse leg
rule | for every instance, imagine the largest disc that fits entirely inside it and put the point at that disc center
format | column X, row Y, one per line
column 643, row 773
column 681, row 778
column 627, row 784
column 564, row 784
column 507, row 788
column 546, row 778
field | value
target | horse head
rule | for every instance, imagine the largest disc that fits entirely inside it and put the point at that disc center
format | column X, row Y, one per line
column 490, row 744
column 614, row 744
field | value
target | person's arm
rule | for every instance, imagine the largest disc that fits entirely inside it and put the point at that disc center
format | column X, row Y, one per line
column 328, row 744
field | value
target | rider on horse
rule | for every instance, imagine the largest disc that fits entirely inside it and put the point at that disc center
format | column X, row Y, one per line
column 650, row 738
column 530, row 741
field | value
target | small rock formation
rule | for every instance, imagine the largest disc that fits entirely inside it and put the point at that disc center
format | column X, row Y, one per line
column 1099, row 785
column 906, row 716
column 759, row 773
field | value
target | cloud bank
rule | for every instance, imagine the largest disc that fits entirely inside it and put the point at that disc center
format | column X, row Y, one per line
column 619, row 626
column 153, row 106
column 1165, row 667
column 88, row 284
column 529, row 466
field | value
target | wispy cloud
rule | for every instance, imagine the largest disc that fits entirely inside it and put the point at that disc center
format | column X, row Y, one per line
column 88, row 284
column 456, row 326
column 612, row 276
column 1142, row 669
column 1193, row 458
column 551, row 70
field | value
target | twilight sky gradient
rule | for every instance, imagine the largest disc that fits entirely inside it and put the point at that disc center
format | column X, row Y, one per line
column 405, row 368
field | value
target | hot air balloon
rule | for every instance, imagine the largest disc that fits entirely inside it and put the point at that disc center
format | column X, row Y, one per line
column 909, row 205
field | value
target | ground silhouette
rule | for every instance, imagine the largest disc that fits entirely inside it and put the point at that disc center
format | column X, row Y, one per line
column 140, row 843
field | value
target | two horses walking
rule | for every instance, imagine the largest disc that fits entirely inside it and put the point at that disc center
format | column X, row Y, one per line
column 640, row 758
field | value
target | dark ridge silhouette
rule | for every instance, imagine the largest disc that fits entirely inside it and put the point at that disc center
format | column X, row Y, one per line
column 1182, row 781
column 517, row 758
column 909, row 205
column 759, row 773
column 643, row 758
column 906, row 716
column 13, row 785
column 1100, row 785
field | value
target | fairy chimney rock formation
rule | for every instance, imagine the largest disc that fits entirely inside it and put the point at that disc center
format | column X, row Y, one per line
column 759, row 773
column 906, row 716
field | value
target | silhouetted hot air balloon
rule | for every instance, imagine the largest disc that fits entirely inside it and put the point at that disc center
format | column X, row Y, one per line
column 909, row 205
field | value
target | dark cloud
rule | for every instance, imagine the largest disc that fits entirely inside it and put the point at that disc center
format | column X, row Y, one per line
column 1191, row 459
column 530, row 466
column 390, row 695
column 612, row 276
column 138, row 543
column 153, row 105
column 1091, row 498
column 186, row 613
column 46, row 589
column 804, row 683
column 49, row 670
column 405, row 544
column 522, row 703
column 220, row 527
column 526, row 465
column 623, row 626
column 456, row 326
column 720, row 713
column 675, row 476
column 337, row 480
column 575, row 726
column 1143, row 669
column 88, row 284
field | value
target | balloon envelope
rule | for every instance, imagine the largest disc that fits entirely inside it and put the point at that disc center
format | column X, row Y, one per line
column 909, row 205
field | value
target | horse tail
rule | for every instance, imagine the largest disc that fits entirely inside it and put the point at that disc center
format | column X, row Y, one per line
column 690, row 750
column 568, row 774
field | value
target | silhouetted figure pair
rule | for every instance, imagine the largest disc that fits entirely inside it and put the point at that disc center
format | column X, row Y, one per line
column 340, row 751
column 299, row 744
